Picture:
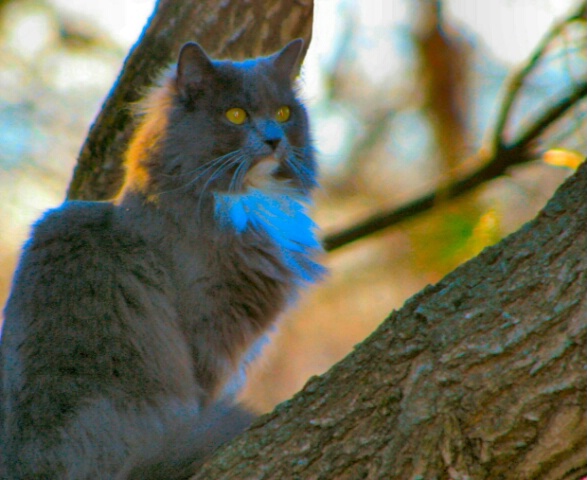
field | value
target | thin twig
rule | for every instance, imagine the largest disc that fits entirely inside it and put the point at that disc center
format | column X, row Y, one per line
column 503, row 157
column 517, row 80
column 547, row 118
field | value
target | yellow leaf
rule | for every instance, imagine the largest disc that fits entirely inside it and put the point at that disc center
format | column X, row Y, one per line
column 559, row 157
column 486, row 232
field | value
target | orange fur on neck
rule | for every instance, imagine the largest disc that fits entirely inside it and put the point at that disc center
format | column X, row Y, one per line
column 148, row 133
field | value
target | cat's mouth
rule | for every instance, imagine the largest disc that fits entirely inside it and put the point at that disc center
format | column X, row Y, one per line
column 263, row 175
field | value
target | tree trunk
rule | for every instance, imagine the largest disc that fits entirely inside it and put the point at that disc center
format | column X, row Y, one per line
column 481, row 376
column 231, row 29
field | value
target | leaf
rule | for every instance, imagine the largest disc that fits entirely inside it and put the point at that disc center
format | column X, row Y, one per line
column 561, row 157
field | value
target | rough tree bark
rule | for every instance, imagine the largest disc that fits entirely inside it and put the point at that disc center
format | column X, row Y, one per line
column 481, row 376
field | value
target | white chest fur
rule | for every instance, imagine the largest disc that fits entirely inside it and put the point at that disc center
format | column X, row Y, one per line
column 271, row 206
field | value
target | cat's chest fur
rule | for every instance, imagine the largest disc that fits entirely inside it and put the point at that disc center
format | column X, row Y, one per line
column 235, row 265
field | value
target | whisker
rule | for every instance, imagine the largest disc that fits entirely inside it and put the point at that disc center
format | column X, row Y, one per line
column 220, row 170
column 232, row 184
column 205, row 168
column 304, row 173
column 239, row 176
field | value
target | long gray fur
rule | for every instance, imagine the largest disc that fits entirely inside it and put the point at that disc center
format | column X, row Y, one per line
column 130, row 322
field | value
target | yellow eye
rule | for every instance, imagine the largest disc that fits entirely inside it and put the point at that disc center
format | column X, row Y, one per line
column 236, row 116
column 283, row 114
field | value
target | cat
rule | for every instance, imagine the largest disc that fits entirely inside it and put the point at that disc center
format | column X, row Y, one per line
column 130, row 323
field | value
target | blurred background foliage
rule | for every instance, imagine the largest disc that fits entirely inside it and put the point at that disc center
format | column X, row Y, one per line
column 406, row 97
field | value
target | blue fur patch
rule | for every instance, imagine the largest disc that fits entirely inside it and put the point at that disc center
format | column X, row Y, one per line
column 285, row 221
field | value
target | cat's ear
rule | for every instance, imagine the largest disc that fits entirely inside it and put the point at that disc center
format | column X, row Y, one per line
column 194, row 69
column 286, row 61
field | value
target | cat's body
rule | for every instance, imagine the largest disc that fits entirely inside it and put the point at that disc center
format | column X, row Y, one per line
column 129, row 323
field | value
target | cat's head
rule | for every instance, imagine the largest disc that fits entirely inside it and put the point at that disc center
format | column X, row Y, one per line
column 218, row 126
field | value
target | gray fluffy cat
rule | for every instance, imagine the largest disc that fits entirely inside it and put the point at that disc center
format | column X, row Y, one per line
column 130, row 322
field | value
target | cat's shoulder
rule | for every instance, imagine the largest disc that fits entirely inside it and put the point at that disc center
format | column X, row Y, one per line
column 75, row 213
column 67, row 242
column 79, row 224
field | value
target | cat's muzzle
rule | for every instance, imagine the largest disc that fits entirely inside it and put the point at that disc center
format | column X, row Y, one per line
column 262, row 174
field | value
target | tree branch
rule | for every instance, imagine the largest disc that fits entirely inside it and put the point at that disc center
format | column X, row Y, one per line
column 503, row 159
column 479, row 376
column 517, row 80
column 504, row 155
column 229, row 29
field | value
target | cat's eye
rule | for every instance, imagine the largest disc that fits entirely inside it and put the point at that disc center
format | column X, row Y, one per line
column 282, row 114
column 236, row 115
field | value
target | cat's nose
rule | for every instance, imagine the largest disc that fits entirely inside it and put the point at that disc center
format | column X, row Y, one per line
column 273, row 142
